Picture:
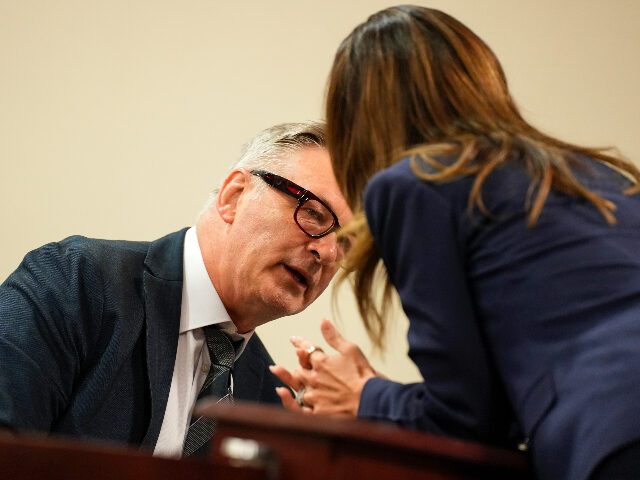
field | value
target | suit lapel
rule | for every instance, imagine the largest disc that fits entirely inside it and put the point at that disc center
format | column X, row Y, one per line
column 163, row 299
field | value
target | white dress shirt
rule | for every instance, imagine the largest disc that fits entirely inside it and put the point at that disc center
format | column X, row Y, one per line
column 201, row 306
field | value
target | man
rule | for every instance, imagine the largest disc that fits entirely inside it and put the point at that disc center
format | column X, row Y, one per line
column 105, row 339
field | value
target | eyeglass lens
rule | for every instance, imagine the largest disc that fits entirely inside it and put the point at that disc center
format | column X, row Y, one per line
column 313, row 217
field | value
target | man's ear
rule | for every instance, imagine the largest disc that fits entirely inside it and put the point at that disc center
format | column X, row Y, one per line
column 230, row 192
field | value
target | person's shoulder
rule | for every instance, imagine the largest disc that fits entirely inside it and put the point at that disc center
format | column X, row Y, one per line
column 107, row 248
column 397, row 177
column 99, row 249
column 398, row 172
column 403, row 179
column 407, row 171
column 78, row 257
column 79, row 252
column 598, row 175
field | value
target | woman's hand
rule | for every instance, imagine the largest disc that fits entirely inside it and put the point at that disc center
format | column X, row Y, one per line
column 332, row 383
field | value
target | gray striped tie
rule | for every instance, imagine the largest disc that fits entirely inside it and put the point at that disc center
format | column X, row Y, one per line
column 217, row 384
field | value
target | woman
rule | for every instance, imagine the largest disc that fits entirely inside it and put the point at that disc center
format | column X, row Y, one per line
column 516, row 256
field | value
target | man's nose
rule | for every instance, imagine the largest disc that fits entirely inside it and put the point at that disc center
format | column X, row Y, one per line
column 326, row 249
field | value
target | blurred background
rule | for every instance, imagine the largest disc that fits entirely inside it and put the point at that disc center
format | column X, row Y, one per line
column 117, row 118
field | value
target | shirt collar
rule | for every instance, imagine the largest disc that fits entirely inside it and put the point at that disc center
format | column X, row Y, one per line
column 201, row 304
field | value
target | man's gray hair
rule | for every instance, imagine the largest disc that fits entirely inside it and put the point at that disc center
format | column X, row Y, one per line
column 271, row 148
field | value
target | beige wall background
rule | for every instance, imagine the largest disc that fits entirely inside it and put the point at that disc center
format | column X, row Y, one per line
column 118, row 117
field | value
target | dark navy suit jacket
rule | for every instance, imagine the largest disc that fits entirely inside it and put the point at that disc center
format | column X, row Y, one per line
column 88, row 338
column 533, row 331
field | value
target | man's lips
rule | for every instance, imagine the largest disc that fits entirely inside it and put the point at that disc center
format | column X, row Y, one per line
column 300, row 276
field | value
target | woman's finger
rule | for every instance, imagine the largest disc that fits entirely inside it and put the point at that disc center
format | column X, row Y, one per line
column 288, row 401
column 300, row 342
column 306, row 355
column 303, row 358
column 333, row 337
column 286, row 377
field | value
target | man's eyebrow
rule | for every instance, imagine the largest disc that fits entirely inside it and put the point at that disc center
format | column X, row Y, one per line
column 324, row 200
column 319, row 197
column 328, row 203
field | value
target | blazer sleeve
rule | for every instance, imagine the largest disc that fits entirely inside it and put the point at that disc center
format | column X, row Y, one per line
column 43, row 343
column 415, row 229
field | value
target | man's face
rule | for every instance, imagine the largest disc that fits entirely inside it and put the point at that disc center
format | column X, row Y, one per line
column 274, row 269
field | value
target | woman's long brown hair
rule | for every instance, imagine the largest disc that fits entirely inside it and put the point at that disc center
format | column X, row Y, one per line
column 415, row 81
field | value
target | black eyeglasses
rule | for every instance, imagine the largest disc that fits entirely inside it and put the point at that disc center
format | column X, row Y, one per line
column 312, row 215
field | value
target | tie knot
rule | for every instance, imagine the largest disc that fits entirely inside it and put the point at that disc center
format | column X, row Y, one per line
column 221, row 349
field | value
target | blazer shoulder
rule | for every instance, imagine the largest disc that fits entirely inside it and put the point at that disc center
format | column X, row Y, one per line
column 78, row 248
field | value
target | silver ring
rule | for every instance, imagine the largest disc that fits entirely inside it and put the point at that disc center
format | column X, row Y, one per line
column 299, row 394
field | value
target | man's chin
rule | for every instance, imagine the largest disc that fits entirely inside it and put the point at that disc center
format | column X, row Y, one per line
column 282, row 299
column 291, row 305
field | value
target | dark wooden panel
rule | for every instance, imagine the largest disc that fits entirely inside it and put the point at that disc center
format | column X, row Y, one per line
column 316, row 447
column 50, row 458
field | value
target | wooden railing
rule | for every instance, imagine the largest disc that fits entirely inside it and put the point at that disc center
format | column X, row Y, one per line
column 296, row 446
column 255, row 442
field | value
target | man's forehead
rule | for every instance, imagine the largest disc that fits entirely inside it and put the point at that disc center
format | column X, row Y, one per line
column 308, row 157
column 310, row 168
column 311, row 165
